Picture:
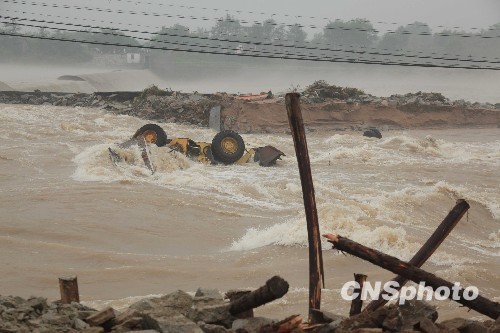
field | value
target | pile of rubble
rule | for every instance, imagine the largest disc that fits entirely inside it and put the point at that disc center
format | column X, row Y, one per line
column 208, row 312
column 320, row 91
column 157, row 106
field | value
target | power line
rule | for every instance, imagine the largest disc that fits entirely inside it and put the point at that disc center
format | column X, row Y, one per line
column 218, row 47
column 106, row 10
column 209, row 46
column 295, row 47
column 294, row 16
column 228, row 34
column 340, row 60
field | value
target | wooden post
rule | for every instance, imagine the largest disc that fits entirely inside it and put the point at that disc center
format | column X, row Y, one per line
column 439, row 235
column 357, row 302
column 417, row 275
column 275, row 288
column 69, row 290
column 316, row 276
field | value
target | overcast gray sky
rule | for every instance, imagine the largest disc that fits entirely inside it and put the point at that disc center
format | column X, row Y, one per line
column 449, row 13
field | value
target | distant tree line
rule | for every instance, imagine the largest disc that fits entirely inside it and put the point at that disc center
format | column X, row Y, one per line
column 357, row 38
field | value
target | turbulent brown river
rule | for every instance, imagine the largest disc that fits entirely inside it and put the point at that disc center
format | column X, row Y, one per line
column 67, row 210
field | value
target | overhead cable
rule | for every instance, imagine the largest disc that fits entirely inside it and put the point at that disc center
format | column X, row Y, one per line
column 190, row 17
column 270, row 56
column 235, row 35
column 295, row 47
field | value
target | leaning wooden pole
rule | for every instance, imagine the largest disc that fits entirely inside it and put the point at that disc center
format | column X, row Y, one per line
column 439, row 235
column 411, row 272
column 316, row 277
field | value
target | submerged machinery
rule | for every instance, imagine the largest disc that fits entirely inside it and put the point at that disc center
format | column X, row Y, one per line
column 227, row 147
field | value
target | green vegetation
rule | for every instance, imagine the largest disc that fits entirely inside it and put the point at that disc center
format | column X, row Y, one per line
column 153, row 90
column 325, row 90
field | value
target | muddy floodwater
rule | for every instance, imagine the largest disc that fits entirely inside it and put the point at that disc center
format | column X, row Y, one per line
column 67, row 210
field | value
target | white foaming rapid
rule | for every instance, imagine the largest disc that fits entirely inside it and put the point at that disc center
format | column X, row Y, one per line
column 373, row 191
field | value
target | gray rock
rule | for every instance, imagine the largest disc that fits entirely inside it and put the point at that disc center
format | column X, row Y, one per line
column 91, row 330
column 212, row 293
column 56, row 319
column 409, row 315
column 79, row 324
column 251, row 324
column 209, row 328
column 215, row 314
column 457, row 323
column 200, row 302
column 7, row 328
column 178, row 300
column 170, row 323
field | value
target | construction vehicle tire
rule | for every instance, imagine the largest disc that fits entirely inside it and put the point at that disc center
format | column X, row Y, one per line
column 373, row 133
column 152, row 133
column 227, row 147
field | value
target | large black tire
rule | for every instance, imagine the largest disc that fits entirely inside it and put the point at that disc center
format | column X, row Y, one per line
column 227, row 147
column 153, row 134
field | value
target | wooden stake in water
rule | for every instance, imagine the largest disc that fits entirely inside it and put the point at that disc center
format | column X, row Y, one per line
column 357, row 302
column 316, row 276
column 68, row 287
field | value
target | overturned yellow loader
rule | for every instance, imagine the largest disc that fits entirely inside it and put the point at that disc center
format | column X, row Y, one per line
column 227, row 147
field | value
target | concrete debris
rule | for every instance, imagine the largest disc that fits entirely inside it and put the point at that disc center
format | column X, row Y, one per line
column 321, row 91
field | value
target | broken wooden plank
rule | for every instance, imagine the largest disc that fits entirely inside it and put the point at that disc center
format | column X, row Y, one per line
column 101, row 317
column 316, row 275
column 274, row 288
column 411, row 272
column 287, row 325
column 439, row 235
column 68, row 287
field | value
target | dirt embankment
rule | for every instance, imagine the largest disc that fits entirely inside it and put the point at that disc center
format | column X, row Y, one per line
column 323, row 107
column 342, row 108
column 270, row 116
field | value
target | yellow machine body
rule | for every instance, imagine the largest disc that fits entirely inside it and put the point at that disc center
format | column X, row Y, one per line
column 200, row 151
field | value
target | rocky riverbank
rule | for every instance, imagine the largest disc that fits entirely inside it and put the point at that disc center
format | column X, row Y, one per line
column 324, row 106
column 208, row 311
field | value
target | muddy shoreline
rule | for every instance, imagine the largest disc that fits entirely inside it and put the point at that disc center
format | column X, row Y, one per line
column 320, row 112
